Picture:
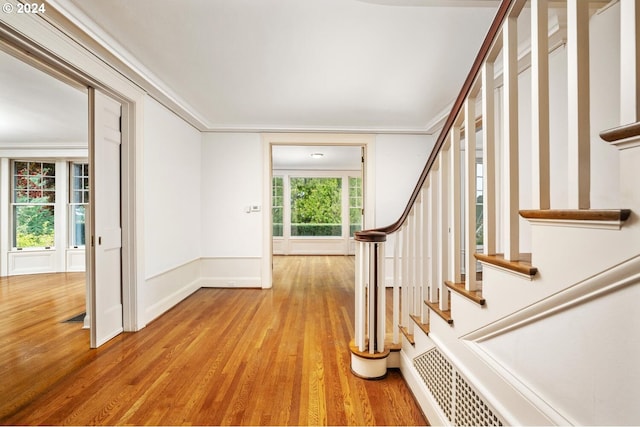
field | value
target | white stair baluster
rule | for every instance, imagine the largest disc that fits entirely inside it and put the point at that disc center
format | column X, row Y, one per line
column 454, row 206
column 629, row 61
column 489, row 160
column 540, row 167
column 579, row 129
column 511, row 178
column 470, row 194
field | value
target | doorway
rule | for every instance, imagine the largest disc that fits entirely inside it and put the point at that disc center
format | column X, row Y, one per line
column 54, row 165
column 304, row 163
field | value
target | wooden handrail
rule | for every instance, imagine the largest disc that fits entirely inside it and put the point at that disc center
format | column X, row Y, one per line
column 621, row 132
column 493, row 33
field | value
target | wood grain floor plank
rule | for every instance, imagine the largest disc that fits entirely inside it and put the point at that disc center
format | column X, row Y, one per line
column 220, row 357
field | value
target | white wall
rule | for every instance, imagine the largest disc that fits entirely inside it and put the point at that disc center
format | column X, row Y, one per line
column 231, row 181
column 171, row 189
column 399, row 163
column 171, row 208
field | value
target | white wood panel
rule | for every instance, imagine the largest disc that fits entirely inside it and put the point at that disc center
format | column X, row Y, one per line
column 75, row 260
column 106, row 254
column 30, row 262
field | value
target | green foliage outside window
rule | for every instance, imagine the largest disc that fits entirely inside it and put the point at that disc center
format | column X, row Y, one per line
column 78, row 202
column 355, row 205
column 316, row 207
column 277, row 203
column 33, row 204
column 34, row 226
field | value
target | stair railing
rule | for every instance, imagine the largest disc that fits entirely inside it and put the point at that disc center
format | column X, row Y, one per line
column 434, row 239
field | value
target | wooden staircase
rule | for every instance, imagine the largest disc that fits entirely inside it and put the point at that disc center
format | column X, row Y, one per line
column 548, row 266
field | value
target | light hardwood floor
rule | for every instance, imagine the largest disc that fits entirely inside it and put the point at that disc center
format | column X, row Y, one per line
column 221, row 357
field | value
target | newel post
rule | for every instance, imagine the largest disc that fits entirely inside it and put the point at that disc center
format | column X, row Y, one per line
column 368, row 352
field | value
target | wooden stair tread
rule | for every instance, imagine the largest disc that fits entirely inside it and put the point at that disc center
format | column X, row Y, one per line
column 475, row 296
column 444, row 314
column 407, row 335
column 578, row 214
column 388, row 343
column 423, row 326
column 522, row 265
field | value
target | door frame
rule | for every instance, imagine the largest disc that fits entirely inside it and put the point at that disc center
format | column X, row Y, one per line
column 367, row 141
column 40, row 45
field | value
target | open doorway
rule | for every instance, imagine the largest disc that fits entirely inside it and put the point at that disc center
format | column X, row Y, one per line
column 316, row 199
column 44, row 167
column 44, row 186
column 55, row 160
column 362, row 162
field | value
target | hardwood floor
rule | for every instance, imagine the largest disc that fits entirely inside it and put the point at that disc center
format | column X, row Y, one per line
column 37, row 348
column 228, row 357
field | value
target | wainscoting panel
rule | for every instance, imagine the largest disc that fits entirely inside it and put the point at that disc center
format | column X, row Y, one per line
column 31, row 262
column 75, row 260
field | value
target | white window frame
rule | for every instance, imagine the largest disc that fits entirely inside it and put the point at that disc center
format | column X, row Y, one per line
column 71, row 204
column 13, row 225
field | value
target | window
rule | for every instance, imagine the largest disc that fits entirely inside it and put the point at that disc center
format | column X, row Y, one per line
column 316, row 207
column 78, row 201
column 277, row 205
column 33, row 204
column 355, row 205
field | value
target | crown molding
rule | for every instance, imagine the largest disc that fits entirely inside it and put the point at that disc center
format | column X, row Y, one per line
column 67, row 18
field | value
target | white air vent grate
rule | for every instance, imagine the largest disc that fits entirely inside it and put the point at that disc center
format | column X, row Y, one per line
column 471, row 410
column 437, row 372
column 460, row 402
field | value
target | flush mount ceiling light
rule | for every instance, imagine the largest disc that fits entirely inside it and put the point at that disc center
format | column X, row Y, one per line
column 317, row 155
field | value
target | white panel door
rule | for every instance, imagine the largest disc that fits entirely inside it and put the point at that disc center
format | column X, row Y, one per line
column 106, row 237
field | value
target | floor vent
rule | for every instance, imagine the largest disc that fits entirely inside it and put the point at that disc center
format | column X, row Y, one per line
column 459, row 401
column 437, row 372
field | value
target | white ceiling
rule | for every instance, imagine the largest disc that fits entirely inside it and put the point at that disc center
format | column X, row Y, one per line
column 37, row 108
column 333, row 157
column 255, row 65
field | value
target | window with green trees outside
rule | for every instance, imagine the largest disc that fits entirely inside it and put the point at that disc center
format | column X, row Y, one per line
column 355, row 204
column 33, row 204
column 316, row 207
column 78, row 202
column 277, row 205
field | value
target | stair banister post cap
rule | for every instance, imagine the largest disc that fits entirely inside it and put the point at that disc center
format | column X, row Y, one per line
column 371, row 236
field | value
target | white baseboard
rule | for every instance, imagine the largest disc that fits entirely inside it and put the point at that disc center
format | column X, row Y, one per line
column 162, row 293
column 165, row 290
column 231, row 272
